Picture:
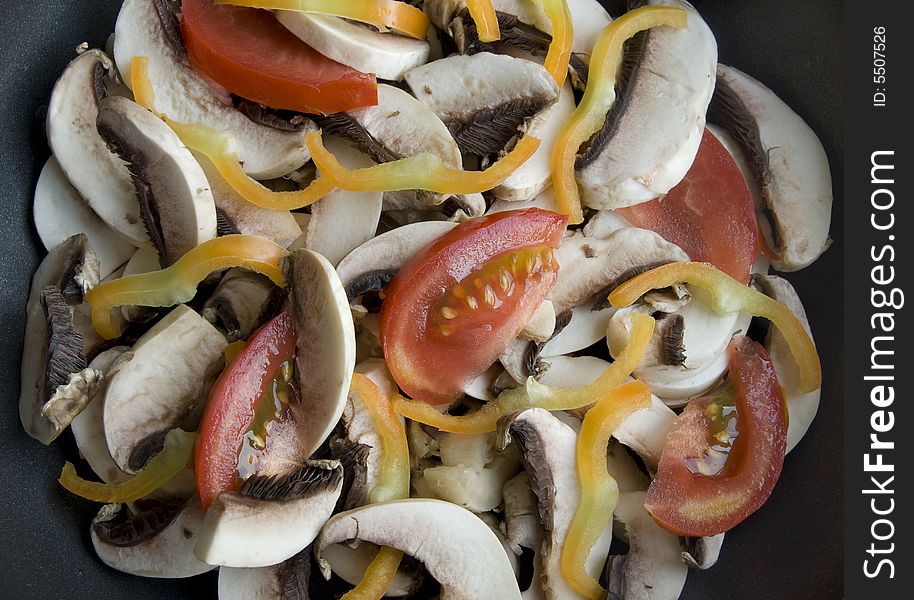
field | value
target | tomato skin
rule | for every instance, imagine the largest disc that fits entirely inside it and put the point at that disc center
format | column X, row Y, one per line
column 232, row 403
column 247, row 51
column 432, row 364
column 695, row 505
column 710, row 214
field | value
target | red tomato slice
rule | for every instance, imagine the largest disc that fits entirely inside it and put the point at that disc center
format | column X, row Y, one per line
column 247, row 51
column 710, row 214
column 455, row 306
column 233, row 405
column 689, row 503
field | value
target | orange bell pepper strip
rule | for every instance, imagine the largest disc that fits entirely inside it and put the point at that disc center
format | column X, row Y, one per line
column 599, row 491
column 173, row 459
column 536, row 395
column 486, row 20
column 383, row 14
column 178, row 283
column 216, row 147
column 729, row 295
column 589, row 116
column 393, row 482
column 420, row 172
column 559, row 53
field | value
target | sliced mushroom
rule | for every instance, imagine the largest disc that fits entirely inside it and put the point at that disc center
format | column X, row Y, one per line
column 175, row 200
column 604, row 223
column 585, row 328
column 653, row 568
column 522, row 523
column 342, row 220
column 60, row 212
column 591, row 266
column 387, row 55
column 645, row 431
column 541, row 325
column 544, row 200
column 372, row 265
column 548, row 451
column 234, row 214
column 620, row 464
column 481, row 387
column 149, row 28
column 160, row 386
column 436, row 533
column 350, row 563
column 240, row 304
column 325, row 347
column 485, row 98
column 473, row 487
column 787, row 161
column 801, row 408
column 652, row 133
column 287, row 580
column 156, row 542
column 573, row 371
column 54, row 348
column 100, row 177
column 272, row 518
column 702, row 553
column 535, row 175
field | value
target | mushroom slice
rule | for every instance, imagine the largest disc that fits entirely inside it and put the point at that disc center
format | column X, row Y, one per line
column 541, row 325
column 653, row 568
column 342, row 220
column 53, row 349
column 544, row 200
column 628, row 475
column 325, row 347
column 272, row 518
column 240, row 304
column 535, row 175
column 604, row 223
column 478, row 489
column 350, row 562
column 652, row 133
column 156, row 542
column 484, row 99
column 399, row 126
column 234, row 214
column 99, row 176
column 149, row 28
column 372, row 265
column 522, row 523
column 287, row 580
column 436, row 533
column 160, row 386
column 702, row 553
column 60, row 212
column 645, row 431
column 175, row 200
column 787, row 161
column 801, row 408
column 585, row 328
column 365, row 49
column 591, row 266
column 548, row 451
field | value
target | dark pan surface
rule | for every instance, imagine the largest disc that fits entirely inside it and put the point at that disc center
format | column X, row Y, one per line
column 789, row 550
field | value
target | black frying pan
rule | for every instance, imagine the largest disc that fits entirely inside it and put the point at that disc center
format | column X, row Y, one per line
column 791, row 549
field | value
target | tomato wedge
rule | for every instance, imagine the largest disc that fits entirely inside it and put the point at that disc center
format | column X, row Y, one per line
column 455, row 306
column 247, row 51
column 241, row 407
column 694, row 494
column 710, row 214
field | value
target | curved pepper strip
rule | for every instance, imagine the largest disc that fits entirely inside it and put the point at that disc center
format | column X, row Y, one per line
column 393, row 483
column 420, row 172
column 178, row 283
column 173, row 459
column 486, row 20
column 599, row 491
column 559, row 53
column 729, row 295
column 536, row 395
column 589, row 116
column 383, row 14
column 216, row 147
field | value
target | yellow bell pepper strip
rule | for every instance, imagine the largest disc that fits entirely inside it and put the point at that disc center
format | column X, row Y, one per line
column 383, row 14
column 590, row 115
column 486, row 20
column 599, row 491
column 535, row 394
column 178, row 283
column 173, row 459
column 393, row 483
column 420, row 172
column 216, row 147
column 562, row 39
column 729, row 295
